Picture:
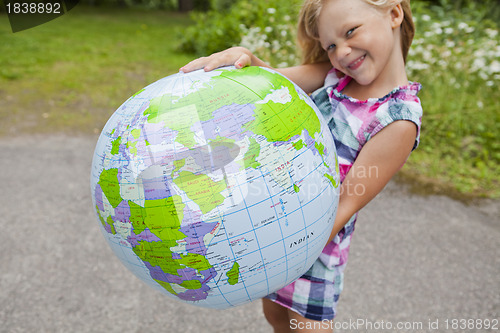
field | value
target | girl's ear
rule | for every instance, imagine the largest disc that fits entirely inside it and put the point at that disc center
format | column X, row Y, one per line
column 397, row 16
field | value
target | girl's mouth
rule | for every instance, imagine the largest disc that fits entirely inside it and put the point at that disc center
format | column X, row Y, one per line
column 356, row 63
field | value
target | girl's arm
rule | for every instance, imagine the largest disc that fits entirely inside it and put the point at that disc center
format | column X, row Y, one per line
column 309, row 77
column 379, row 159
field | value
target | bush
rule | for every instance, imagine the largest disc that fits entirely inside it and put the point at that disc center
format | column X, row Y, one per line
column 265, row 27
column 456, row 57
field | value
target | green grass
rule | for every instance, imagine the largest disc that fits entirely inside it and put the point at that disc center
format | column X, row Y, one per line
column 70, row 74
column 459, row 152
column 456, row 58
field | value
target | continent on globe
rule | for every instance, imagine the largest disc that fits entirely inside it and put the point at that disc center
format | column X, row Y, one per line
column 216, row 188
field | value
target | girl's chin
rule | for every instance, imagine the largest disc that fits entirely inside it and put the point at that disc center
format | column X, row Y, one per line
column 362, row 81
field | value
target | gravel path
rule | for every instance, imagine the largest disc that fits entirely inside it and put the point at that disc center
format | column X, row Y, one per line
column 414, row 260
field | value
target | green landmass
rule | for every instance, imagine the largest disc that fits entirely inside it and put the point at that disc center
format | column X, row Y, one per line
column 136, row 133
column 163, row 217
column 108, row 180
column 250, row 158
column 299, row 144
column 179, row 164
column 201, row 189
column 321, row 148
column 131, row 147
column 332, row 181
column 110, row 223
column 275, row 121
column 115, row 145
column 233, row 274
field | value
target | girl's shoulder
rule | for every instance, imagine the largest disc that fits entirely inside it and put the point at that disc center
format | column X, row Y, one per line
column 334, row 77
column 368, row 116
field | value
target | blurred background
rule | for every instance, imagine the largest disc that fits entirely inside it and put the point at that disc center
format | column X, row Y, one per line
column 70, row 74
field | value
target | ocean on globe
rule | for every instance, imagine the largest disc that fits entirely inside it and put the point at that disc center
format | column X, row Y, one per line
column 216, row 188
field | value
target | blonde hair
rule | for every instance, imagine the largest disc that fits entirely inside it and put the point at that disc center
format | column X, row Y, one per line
column 308, row 35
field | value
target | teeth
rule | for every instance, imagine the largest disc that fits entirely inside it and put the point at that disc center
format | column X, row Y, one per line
column 357, row 61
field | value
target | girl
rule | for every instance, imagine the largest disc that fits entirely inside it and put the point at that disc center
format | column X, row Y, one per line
column 373, row 113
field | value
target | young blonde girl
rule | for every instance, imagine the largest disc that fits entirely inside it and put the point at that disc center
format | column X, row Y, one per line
column 374, row 116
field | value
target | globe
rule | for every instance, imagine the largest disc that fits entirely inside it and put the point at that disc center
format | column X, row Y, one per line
column 216, row 188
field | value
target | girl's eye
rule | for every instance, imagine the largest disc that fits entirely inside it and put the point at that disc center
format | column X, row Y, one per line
column 330, row 47
column 349, row 33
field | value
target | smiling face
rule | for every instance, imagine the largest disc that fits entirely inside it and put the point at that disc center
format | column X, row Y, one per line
column 363, row 42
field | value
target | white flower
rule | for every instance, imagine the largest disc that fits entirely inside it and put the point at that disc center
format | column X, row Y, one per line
column 448, row 31
column 478, row 64
column 271, row 10
column 412, row 65
column 426, row 17
column 481, row 53
column 268, row 29
column 491, row 33
column 418, row 49
column 276, row 45
column 418, row 41
column 480, row 104
column 437, row 28
column 450, row 44
column 427, row 55
column 495, row 66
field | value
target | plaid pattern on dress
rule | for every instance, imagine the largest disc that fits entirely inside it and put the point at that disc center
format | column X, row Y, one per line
column 352, row 123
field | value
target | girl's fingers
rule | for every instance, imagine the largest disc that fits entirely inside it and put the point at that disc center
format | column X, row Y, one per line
column 194, row 65
column 214, row 61
column 243, row 61
column 236, row 56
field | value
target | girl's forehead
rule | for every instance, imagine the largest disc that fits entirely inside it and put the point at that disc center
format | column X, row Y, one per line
column 343, row 11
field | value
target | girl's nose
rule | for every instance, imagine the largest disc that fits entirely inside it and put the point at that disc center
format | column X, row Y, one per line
column 343, row 51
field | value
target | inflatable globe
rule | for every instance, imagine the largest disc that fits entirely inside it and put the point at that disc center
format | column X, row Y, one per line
column 216, row 188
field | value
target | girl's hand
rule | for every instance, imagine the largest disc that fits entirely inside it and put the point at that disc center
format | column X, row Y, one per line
column 309, row 77
column 237, row 56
